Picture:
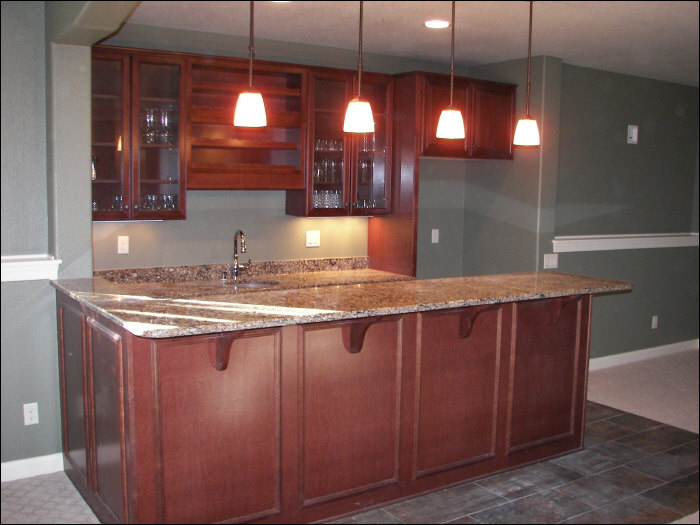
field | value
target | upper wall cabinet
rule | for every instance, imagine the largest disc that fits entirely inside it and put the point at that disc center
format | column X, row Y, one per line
column 348, row 173
column 221, row 156
column 138, row 164
column 488, row 109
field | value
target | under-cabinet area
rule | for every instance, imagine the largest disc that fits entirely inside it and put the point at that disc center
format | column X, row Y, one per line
column 162, row 123
column 300, row 421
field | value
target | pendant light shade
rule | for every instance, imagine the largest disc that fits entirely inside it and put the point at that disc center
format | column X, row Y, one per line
column 451, row 123
column 250, row 108
column 526, row 132
column 358, row 117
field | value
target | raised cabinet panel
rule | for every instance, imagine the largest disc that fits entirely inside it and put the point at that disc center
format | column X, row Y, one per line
column 459, row 363
column 219, row 429
column 547, row 370
column 107, row 415
column 349, row 417
column 492, row 107
column 436, row 97
column 71, row 323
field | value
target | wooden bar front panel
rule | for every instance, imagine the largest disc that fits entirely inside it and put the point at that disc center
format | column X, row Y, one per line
column 72, row 348
column 349, row 409
column 219, row 430
column 548, row 374
column 459, row 363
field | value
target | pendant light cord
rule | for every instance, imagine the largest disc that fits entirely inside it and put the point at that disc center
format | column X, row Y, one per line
column 529, row 52
column 452, row 54
column 359, row 60
column 251, row 48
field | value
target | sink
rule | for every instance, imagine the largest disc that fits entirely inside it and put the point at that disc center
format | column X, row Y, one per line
column 252, row 284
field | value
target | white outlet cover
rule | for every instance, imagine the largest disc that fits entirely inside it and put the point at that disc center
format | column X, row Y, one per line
column 31, row 413
column 435, row 236
column 313, row 239
column 122, row 244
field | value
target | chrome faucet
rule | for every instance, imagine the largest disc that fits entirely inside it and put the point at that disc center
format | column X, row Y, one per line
column 238, row 267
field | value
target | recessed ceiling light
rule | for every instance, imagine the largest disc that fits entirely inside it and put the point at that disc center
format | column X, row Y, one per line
column 437, row 24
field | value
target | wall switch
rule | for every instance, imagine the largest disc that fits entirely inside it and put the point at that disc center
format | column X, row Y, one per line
column 654, row 322
column 313, row 239
column 551, row 260
column 31, row 413
column 435, row 236
column 632, row 134
column 122, row 244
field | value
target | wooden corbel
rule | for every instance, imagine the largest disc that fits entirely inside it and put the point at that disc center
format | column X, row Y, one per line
column 559, row 304
column 468, row 316
column 354, row 333
column 224, row 343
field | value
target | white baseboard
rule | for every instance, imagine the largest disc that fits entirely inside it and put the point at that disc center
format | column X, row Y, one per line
column 26, row 468
column 599, row 363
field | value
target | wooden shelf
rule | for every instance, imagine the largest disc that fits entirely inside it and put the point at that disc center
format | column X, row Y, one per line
column 169, row 100
column 244, row 177
column 221, row 87
column 224, row 116
column 243, row 143
column 107, row 181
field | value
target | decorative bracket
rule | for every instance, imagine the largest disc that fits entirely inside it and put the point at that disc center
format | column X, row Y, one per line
column 224, row 343
column 354, row 334
column 468, row 316
column 559, row 304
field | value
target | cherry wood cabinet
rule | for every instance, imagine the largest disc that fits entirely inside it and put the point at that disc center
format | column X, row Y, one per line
column 301, row 423
column 221, row 156
column 348, row 173
column 488, row 109
column 138, row 164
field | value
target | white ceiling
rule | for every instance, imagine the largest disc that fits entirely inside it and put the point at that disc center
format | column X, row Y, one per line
column 657, row 40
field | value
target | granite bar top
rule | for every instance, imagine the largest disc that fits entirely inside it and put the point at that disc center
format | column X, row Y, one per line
column 166, row 309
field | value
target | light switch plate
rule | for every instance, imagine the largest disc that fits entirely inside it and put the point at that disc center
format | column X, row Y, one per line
column 435, row 236
column 313, row 239
column 632, row 134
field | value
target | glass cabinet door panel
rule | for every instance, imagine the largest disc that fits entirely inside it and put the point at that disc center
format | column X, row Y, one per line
column 158, row 136
column 370, row 184
column 329, row 166
column 108, row 169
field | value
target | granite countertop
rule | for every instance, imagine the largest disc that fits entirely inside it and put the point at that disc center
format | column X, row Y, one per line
column 172, row 309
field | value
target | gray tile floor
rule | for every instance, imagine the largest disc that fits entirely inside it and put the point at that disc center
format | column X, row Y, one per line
column 633, row 470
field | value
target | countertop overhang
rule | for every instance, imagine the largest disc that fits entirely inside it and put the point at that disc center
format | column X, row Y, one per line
column 161, row 310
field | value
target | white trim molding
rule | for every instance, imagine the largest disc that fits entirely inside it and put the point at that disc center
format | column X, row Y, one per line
column 594, row 243
column 29, row 267
column 598, row 363
column 27, row 468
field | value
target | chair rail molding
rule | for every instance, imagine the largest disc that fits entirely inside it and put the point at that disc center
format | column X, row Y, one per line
column 594, row 243
column 29, row 267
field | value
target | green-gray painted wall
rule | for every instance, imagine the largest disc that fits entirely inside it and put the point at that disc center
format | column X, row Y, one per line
column 499, row 215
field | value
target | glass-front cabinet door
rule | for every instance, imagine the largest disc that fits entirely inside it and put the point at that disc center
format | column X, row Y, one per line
column 348, row 173
column 158, row 133
column 370, row 189
column 137, row 163
column 109, row 166
column 330, row 146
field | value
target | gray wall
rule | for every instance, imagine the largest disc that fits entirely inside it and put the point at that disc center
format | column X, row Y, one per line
column 606, row 186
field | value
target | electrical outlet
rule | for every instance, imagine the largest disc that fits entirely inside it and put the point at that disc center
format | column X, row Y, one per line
column 313, row 239
column 654, row 322
column 122, row 244
column 551, row 260
column 435, row 236
column 31, row 413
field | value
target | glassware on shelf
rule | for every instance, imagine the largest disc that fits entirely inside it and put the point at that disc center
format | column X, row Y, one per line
column 117, row 203
column 150, row 134
column 93, row 168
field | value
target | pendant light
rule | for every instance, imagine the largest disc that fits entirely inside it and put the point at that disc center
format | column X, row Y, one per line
column 526, row 132
column 250, row 108
column 451, row 124
column 358, row 117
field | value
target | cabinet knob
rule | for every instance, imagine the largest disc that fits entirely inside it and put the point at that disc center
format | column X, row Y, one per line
column 136, row 206
column 126, row 207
